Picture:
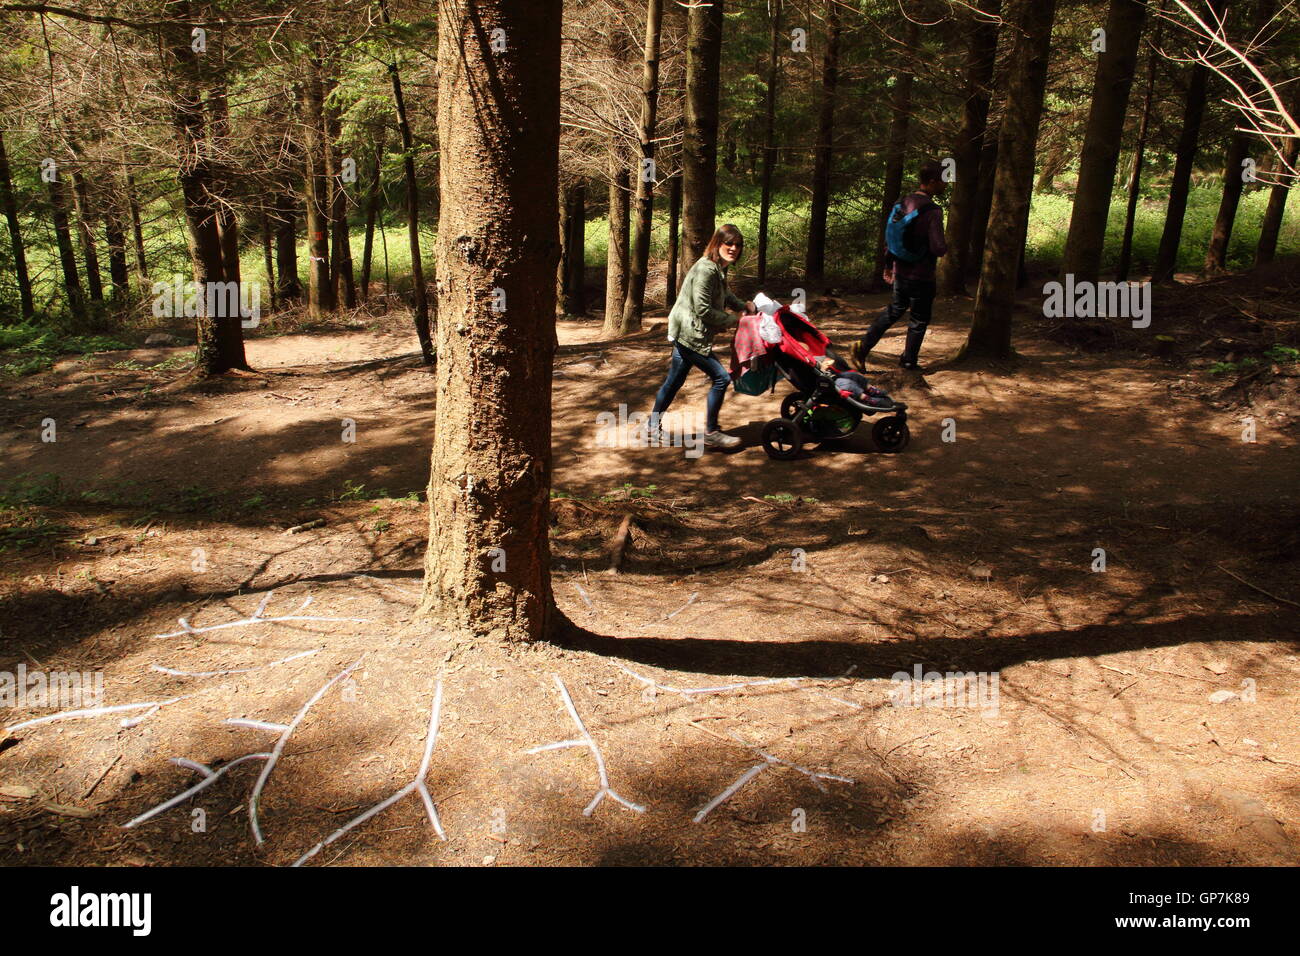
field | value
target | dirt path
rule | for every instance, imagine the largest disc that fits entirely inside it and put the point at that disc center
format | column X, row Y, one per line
column 808, row 583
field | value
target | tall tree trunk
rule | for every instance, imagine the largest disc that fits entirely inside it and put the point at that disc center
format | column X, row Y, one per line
column 67, row 257
column 769, row 139
column 268, row 257
column 617, row 255
column 10, row 204
column 674, row 239
column 634, row 304
column 1216, row 255
column 487, row 568
column 345, row 282
column 1272, row 223
column 575, row 242
column 288, row 285
column 990, row 332
column 115, row 237
column 983, row 199
column 700, row 142
column 372, row 210
column 220, row 336
column 815, row 261
column 422, row 320
column 320, row 290
column 137, row 233
column 1139, row 152
column 981, row 55
column 1101, row 141
column 896, row 153
column 1176, row 209
column 86, row 236
column 219, row 146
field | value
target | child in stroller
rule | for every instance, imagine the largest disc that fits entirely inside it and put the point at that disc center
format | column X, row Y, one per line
column 830, row 398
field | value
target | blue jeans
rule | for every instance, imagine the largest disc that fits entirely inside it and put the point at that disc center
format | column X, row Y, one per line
column 682, row 362
column 916, row 295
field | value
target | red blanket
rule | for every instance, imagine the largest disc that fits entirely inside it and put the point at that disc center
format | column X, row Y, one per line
column 747, row 346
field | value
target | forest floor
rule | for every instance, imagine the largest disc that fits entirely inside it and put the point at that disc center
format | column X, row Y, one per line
column 1144, row 714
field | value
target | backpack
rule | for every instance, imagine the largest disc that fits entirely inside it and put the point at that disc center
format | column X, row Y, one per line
column 897, row 229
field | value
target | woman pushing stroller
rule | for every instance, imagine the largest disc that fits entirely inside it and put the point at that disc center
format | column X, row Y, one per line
column 699, row 313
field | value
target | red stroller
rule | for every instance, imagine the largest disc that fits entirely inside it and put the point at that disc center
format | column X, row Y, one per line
column 818, row 411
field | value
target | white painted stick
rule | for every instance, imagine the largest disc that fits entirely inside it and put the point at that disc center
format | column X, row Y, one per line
column 650, row 682
column 257, row 620
column 744, row 778
column 257, row 724
column 201, row 785
column 586, row 741
column 150, row 705
column 279, row 749
column 241, row 670
column 417, row 785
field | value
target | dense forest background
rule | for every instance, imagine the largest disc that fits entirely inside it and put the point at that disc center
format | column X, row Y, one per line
column 309, row 139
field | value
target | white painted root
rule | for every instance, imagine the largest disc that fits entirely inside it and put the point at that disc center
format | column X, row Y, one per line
column 209, row 777
column 586, row 741
column 241, row 670
column 417, row 786
column 274, row 756
column 687, row 691
column 769, row 760
column 747, row 776
column 689, row 601
column 150, row 707
column 257, row 724
column 257, row 618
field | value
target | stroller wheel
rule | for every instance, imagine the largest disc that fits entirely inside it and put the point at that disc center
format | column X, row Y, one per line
column 891, row 434
column 781, row 439
column 790, row 404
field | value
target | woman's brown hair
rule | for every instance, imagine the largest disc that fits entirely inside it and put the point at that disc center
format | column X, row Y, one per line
column 726, row 234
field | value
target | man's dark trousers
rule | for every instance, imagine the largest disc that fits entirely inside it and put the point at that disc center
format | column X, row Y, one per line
column 916, row 295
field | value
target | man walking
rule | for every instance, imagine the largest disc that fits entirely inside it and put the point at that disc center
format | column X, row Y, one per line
column 914, row 240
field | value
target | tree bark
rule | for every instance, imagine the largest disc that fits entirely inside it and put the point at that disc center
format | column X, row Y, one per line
column 983, row 199
column 115, row 237
column 67, row 257
column 268, row 257
column 137, row 233
column 901, row 107
column 769, row 140
column 1176, row 208
column 220, row 336
column 990, row 332
column 487, row 568
column 10, row 204
column 574, row 262
column 815, row 260
column 1216, row 255
column 1272, row 223
column 86, row 236
column 422, row 321
column 320, row 290
column 372, row 210
column 345, row 282
column 288, row 285
column 700, row 142
column 634, row 304
column 1086, row 238
column 219, row 145
column 1139, row 152
column 980, row 58
column 617, row 254
column 674, row 239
